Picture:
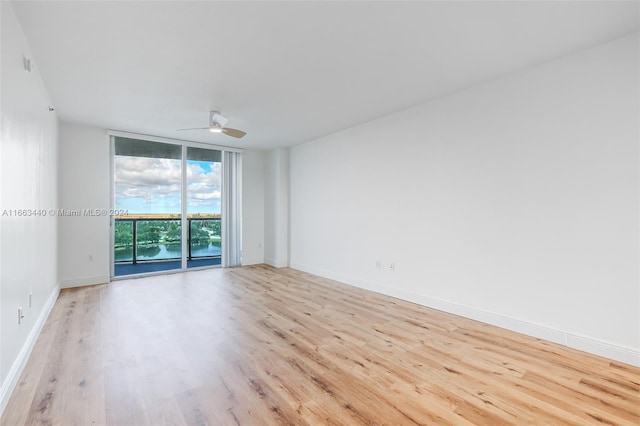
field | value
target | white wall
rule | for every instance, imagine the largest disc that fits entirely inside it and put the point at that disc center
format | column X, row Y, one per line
column 515, row 203
column 276, row 208
column 252, row 207
column 84, row 181
column 28, row 261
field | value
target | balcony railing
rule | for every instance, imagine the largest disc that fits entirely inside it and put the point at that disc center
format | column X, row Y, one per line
column 160, row 239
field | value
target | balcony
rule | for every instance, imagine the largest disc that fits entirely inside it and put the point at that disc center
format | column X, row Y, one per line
column 151, row 243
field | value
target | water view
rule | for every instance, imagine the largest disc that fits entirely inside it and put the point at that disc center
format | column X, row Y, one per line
column 159, row 238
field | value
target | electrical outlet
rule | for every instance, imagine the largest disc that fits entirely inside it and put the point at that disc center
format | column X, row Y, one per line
column 20, row 316
column 392, row 266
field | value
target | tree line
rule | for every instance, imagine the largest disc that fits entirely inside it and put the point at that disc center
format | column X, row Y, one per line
column 155, row 231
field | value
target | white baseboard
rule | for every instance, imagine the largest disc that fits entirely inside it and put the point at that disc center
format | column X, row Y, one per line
column 605, row 349
column 252, row 261
column 276, row 263
column 81, row 282
column 587, row 344
column 18, row 365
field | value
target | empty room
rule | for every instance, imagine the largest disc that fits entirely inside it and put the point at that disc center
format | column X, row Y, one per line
column 319, row 213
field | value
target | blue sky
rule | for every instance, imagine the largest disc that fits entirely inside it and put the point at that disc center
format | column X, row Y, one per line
column 152, row 185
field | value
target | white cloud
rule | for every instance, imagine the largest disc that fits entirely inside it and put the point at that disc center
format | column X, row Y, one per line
column 158, row 180
column 196, row 174
column 142, row 171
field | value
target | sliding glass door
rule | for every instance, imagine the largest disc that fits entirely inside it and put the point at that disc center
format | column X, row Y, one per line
column 204, row 207
column 168, row 202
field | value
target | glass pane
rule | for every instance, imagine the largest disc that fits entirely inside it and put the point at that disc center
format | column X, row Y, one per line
column 126, row 147
column 148, row 179
column 205, row 237
column 124, row 241
column 204, row 174
column 158, row 239
column 201, row 154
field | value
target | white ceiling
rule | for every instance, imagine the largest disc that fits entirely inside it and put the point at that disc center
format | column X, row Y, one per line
column 290, row 72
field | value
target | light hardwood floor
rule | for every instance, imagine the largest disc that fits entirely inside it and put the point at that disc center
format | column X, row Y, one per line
column 260, row 346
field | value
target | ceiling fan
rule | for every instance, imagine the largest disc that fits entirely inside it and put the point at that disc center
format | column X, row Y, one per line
column 216, row 125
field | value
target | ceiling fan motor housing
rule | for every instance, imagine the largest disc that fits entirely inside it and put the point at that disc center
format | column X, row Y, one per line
column 217, row 120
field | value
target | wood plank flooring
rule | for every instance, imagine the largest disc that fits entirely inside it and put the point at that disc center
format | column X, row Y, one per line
column 263, row 346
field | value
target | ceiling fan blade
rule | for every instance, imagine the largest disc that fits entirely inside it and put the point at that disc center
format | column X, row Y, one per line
column 195, row 128
column 233, row 132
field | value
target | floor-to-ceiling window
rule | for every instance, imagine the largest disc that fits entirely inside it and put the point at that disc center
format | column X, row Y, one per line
column 168, row 199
